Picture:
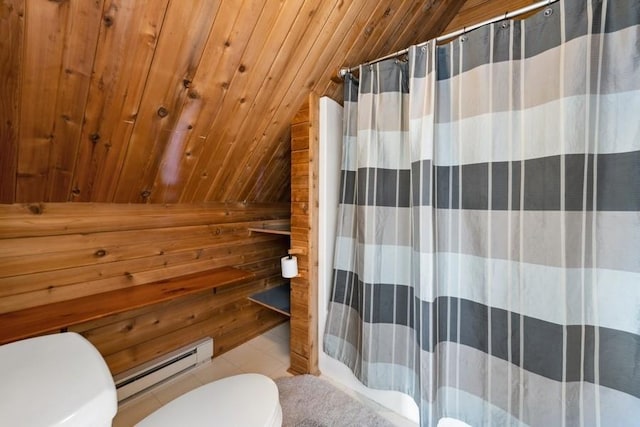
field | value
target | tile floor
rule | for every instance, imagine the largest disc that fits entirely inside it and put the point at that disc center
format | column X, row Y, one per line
column 267, row 354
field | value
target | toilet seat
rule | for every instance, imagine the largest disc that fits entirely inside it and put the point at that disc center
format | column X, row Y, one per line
column 248, row 400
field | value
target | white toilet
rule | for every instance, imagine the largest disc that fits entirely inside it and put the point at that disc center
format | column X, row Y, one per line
column 62, row 380
column 241, row 400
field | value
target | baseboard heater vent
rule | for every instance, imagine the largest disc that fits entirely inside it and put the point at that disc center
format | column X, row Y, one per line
column 155, row 371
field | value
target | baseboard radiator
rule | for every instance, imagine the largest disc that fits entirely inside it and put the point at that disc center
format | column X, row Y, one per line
column 155, row 371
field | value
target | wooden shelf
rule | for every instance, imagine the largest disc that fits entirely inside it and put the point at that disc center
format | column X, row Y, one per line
column 56, row 316
column 282, row 231
column 277, row 299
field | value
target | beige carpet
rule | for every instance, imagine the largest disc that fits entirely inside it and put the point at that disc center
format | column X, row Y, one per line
column 309, row 401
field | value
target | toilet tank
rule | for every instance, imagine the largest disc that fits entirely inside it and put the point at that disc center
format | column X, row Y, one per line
column 55, row 380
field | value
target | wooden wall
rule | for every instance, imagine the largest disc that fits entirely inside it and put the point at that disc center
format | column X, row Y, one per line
column 59, row 251
column 304, row 238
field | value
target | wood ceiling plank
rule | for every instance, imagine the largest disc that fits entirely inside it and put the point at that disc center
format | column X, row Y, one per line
column 408, row 33
column 211, row 82
column 278, row 174
column 320, row 59
column 285, row 100
column 275, row 172
column 275, row 58
column 404, row 35
column 421, row 25
column 427, row 25
column 476, row 11
column 79, row 54
column 270, row 59
column 184, row 33
column 126, row 45
column 229, row 74
column 11, row 48
column 232, row 79
column 396, row 23
column 282, row 49
column 428, row 22
column 361, row 52
column 60, row 40
column 276, row 178
column 443, row 13
column 473, row 3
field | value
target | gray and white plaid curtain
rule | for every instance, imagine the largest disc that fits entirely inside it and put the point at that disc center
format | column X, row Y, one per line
column 488, row 244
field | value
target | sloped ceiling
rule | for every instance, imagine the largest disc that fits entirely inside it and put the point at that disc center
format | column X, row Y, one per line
column 166, row 101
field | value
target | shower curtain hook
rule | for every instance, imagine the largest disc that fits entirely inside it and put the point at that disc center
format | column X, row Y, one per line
column 463, row 36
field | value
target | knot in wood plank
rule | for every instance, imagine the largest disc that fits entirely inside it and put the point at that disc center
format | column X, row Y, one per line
column 100, row 253
column 163, row 112
column 36, row 209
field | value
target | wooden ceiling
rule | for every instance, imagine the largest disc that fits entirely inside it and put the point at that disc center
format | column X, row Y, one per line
column 154, row 101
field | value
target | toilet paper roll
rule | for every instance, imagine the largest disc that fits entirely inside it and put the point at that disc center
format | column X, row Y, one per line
column 289, row 267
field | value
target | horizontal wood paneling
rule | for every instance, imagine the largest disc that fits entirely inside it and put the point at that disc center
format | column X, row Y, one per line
column 165, row 101
column 228, row 331
column 53, row 317
column 66, row 251
column 25, row 220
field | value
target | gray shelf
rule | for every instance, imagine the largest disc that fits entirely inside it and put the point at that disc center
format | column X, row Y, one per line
column 277, row 299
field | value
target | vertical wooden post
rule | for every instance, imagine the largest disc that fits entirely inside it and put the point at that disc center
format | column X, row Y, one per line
column 304, row 237
column 11, row 46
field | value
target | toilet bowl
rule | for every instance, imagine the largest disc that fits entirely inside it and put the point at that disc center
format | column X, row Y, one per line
column 61, row 380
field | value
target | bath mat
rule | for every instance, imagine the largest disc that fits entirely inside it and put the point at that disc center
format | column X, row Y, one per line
column 308, row 401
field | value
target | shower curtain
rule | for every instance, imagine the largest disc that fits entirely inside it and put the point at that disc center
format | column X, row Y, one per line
column 488, row 245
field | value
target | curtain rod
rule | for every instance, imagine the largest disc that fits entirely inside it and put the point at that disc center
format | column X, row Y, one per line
column 344, row 71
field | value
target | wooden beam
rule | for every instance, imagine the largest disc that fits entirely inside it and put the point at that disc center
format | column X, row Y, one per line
column 304, row 241
column 11, row 48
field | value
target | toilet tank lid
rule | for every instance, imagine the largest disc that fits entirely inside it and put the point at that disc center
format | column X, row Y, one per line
column 248, row 400
column 55, row 380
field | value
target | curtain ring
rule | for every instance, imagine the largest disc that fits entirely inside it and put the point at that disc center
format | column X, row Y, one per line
column 463, row 36
column 505, row 24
